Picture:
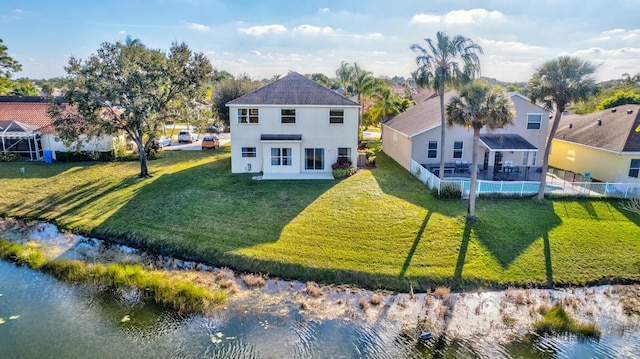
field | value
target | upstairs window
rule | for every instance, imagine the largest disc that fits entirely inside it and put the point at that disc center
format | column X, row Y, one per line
column 634, row 168
column 534, row 121
column 288, row 116
column 432, row 151
column 336, row 117
column 457, row 149
column 248, row 115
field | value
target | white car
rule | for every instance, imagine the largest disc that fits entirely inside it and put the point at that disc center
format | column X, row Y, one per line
column 163, row 141
column 187, row 136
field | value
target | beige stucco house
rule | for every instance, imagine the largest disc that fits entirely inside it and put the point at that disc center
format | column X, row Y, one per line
column 604, row 144
column 293, row 128
column 513, row 152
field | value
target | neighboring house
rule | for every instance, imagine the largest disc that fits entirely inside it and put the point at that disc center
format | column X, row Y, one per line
column 605, row 144
column 510, row 153
column 26, row 129
column 292, row 128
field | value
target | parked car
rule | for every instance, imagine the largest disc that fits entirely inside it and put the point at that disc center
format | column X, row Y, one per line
column 187, row 136
column 210, row 141
column 163, row 141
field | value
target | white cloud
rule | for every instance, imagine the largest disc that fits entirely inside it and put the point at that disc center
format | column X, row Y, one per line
column 310, row 29
column 460, row 17
column 122, row 32
column 198, row 27
column 210, row 52
column 324, row 10
column 263, row 30
column 255, row 52
column 226, row 53
column 618, row 34
column 511, row 46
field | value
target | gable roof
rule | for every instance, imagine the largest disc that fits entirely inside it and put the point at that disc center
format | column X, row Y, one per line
column 619, row 129
column 423, row 116
column 33, row 114
column 294, row 89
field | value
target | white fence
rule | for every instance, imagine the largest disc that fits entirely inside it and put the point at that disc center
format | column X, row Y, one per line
column 554, row 187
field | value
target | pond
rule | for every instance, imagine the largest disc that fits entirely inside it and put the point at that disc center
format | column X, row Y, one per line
column 42, row 317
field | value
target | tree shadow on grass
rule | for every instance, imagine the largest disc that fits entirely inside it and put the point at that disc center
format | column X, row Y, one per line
column 412, row 251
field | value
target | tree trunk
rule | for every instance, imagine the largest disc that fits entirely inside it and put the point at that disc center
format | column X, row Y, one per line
column 144, row 172
column 547, row 150
column 471, row 211
column 442, row 131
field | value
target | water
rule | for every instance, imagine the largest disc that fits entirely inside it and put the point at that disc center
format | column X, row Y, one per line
column 46, row 318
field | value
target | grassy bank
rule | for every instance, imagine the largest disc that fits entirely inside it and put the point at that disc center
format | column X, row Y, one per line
column 378, row 228
column 161, row 287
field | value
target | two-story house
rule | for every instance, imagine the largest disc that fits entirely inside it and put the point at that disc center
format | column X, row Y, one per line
column 507, row 153
column 293, row 128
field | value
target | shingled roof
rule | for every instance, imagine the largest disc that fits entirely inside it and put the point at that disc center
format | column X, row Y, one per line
column 421, row 117
column 293, row 89
column 618, row 129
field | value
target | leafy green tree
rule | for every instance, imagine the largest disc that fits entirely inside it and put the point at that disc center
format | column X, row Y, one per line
column 6, row 85
column 555, row 84
column 620, row 97
column 478, row 105
column 446, row 62
column 323, row 80
column 24, row 87
column 365, row 85
column 230, row 88
column 7, row 63
column 129, row 87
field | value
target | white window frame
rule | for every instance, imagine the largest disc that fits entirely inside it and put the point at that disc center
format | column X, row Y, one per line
column 434, row 150
column 525, row 158
column 249, row 152
column 534, row 158
column 248, row 116
column 634, row 170
column 315, row 166
column 458, row 150
column 281, row 156
column 531, row 122
column 290, row 116
column 346, row 155
column 336, row 116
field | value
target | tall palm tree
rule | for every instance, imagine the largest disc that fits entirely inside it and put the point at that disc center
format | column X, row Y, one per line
column 479, row 105
column 559, row 82
column 343, row 73
column 439, row 67
column 364, row 84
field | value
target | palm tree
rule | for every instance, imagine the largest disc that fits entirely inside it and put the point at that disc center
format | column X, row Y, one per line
column 478, row 105
column 560, row 81
column 365, row 85
column 343, row 73
column 439, row 68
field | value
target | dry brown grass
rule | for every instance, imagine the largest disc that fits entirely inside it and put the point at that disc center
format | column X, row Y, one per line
column 364, row 304
column 313, row 290
column 543, row 308
column 442, row 293
column 375, row 299
column 253, row 280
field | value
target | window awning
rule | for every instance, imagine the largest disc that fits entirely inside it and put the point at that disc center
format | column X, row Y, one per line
column 506, row 142
column 280, row 137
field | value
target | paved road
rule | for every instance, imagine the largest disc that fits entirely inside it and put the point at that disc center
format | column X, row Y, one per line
column 196, row 146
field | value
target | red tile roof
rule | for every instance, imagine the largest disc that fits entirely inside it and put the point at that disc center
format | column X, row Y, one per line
column 34, row 114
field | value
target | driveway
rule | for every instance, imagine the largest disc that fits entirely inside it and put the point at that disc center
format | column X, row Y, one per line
column 196, row 145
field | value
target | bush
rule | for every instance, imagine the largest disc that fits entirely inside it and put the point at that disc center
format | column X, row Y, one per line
column 342, row 169
column 450, row 191
column 85, row 156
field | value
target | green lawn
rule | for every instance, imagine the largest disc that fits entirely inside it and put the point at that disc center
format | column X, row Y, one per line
column 378, row 228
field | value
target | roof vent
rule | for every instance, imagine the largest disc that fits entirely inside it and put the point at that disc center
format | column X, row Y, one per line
column 570, row 124
column 599, row 122
column 614, row 110
column 629, row 112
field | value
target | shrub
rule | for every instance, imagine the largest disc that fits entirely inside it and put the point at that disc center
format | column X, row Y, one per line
column 450, row 191
column 313, row 290
column 342, row 169
column 558, row 321
column 375, row 299
column 371, row 162
column 253, row 280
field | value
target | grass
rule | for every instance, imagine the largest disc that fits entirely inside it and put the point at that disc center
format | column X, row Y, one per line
column 379, row 228
column 180, row 294
column 558, row 321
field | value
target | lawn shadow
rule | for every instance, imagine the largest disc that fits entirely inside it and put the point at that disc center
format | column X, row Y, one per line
column 36, row 169
column 204, row 211
column 412, row 251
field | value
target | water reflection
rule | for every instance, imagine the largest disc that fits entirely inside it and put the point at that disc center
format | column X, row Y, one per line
column 281, row 321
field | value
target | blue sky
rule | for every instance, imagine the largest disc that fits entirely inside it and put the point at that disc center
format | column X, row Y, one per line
column 266, row 37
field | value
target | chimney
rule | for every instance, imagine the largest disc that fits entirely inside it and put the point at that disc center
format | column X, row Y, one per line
column 599, row 122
